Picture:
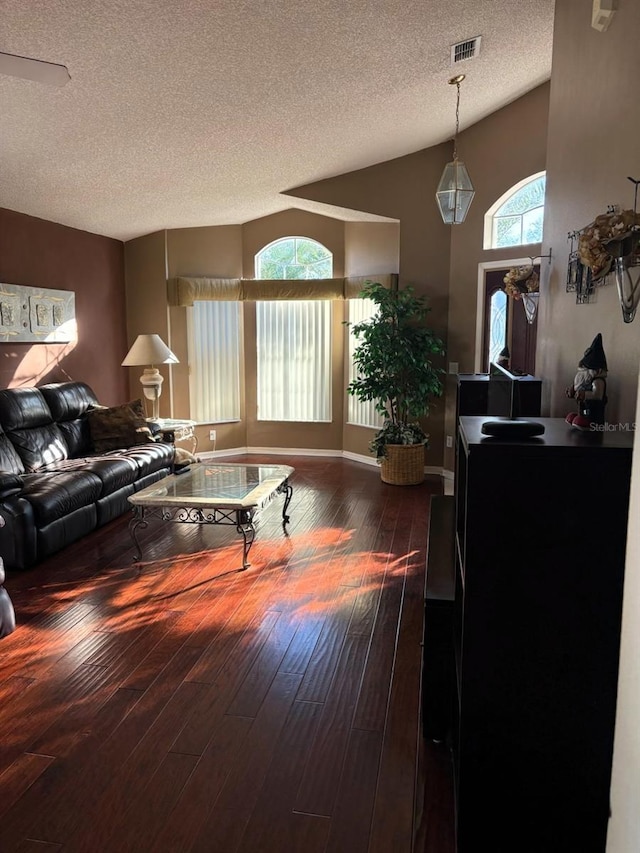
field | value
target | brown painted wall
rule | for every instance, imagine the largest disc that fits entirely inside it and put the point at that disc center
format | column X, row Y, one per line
column 593, row 146
column 371, row 247
column 500, row 151
column 440, row 261
column 38, row 253
column 404, row 189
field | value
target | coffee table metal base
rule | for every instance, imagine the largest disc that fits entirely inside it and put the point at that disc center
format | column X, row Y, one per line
column 241, row 519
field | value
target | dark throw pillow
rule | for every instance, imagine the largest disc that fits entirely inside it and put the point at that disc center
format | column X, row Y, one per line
column 118, row 427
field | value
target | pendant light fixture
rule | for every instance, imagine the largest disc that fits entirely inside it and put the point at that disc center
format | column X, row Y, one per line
column 455, row 191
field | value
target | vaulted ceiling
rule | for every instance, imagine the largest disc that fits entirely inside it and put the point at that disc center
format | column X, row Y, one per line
column 203, row 113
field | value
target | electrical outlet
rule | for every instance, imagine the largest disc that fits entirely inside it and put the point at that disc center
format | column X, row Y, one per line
column 453, row 367
column 212, row 435
column 449, row 441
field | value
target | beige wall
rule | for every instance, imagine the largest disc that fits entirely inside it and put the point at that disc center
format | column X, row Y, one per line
column 594, row 123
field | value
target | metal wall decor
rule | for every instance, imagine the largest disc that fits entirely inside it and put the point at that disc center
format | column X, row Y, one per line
column 36, row 315
column 608, row 250
column 579, row 278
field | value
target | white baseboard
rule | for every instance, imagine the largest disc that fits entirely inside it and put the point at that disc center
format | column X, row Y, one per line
column 205, row 455
column 433, row 470
column 267, row 451
column 295, row 451
column 358, row 457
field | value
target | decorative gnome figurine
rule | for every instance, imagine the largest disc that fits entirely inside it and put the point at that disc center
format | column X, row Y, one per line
column 589, row 387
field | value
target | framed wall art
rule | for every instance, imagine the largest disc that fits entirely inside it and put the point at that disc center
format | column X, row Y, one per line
column 36, row 315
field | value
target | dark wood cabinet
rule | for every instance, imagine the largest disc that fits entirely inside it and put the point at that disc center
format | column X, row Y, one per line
column 540, row 550
column 437, row 658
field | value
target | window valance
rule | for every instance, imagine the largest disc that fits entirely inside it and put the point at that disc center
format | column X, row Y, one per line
column 185, row 290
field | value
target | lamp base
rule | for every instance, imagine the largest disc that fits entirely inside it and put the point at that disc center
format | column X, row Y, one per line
column 151, row 381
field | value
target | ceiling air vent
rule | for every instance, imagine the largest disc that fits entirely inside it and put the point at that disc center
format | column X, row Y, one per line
column 464, row 50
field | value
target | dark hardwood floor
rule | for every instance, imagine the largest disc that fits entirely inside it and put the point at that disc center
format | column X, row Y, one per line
column 184, row 705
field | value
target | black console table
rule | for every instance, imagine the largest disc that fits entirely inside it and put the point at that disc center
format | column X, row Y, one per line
column 540, row 553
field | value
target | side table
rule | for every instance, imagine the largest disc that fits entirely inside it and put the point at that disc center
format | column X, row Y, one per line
column 173, row 430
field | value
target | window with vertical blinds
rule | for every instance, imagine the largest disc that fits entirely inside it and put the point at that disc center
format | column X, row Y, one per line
column 214, row 361
column 360, row 413
column 293, row 338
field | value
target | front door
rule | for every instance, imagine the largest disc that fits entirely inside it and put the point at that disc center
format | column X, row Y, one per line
column 505, row 324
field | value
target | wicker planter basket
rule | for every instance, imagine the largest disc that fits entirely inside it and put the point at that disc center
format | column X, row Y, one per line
column 403, row 465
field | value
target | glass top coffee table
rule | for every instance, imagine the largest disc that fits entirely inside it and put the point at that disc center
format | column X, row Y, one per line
column 213, row 494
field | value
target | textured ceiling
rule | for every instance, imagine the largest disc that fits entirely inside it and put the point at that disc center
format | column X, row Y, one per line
column 203, row 113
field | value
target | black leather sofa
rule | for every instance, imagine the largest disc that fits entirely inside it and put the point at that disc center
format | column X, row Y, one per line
column 54, row 487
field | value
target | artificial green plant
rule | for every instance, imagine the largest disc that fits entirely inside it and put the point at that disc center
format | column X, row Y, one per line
column 393, row 359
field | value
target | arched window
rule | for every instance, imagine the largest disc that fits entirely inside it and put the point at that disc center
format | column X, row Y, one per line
column 293, row 337
column 517, row 217
column 294, row 257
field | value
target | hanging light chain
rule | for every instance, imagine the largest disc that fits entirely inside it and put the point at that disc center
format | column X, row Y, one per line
column 456, row 81
column 455, row 138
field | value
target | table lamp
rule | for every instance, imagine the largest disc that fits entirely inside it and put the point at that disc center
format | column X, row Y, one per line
column 151, row 350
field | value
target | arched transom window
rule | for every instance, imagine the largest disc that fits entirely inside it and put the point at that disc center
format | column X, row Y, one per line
column 294, row 257
column 517, row 217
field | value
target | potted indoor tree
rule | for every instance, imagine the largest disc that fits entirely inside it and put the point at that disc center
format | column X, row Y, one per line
column 393, row 359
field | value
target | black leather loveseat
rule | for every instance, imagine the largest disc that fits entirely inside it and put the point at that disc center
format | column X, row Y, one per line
column 54, row 485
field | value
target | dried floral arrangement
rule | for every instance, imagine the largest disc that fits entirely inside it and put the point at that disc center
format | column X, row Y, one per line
column 603, row 240
column 521, row 280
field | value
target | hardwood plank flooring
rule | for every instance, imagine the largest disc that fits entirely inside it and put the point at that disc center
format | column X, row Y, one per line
column 182, row 705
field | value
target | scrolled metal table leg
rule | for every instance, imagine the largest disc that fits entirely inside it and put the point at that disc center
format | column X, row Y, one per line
column 246, row 528
column 137, row 521
column 288, row 490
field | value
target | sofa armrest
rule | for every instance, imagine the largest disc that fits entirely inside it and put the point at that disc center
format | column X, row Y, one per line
column 10, row 484
column 18, row 535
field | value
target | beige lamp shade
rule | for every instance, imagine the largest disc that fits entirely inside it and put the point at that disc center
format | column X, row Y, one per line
column 152, row 350
column 149, row 349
